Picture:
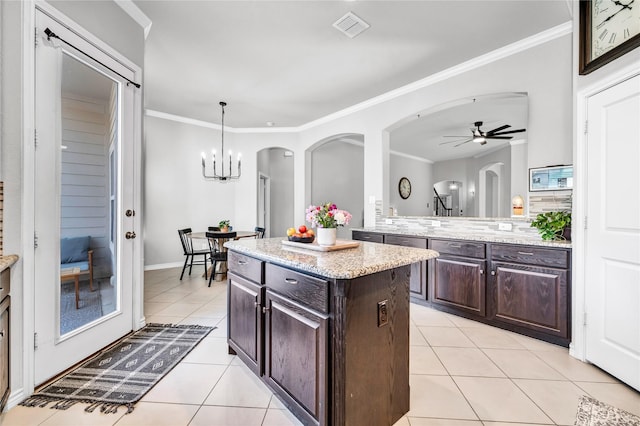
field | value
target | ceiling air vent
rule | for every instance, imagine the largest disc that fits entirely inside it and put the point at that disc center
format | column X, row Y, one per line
column 351, row 25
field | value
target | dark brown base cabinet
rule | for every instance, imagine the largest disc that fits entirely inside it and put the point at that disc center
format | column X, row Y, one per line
column 521, row 288
column 316, row 341
column 5, row 303
column 457, row 278
column 530, row 291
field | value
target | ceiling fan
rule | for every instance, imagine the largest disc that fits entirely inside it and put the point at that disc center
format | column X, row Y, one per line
column 481, row 137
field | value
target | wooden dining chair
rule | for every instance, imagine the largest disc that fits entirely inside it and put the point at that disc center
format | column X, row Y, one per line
column 218, row 256
column 259, row 231
column 190, row 254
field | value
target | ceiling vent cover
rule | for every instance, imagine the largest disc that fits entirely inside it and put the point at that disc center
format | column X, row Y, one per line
column 351, row 25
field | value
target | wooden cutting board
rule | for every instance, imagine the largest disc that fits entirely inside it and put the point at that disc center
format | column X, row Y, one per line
column 340, row 245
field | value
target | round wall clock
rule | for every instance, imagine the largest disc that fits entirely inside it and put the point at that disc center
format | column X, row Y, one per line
column 404, row 188
column 608, row 30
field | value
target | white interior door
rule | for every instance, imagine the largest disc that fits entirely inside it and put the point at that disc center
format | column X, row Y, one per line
column 84, row 172
column 612, row 287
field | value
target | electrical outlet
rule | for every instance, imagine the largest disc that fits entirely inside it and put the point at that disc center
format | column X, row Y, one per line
column 383, row 314
column 505, row 226
column 435, row 223
column 388, row 221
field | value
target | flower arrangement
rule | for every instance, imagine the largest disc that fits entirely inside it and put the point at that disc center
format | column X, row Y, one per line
column 327, row 216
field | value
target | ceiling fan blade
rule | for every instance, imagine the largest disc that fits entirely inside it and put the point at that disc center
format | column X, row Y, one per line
column 457, row 136
column 490, row 132
column 499, row 137
column 509, row 132
column 448, row 142
column 462, row 143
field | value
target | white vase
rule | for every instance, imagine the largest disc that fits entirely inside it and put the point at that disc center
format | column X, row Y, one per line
column 326, row 236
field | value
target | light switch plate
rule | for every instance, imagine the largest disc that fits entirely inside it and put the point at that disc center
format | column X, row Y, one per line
column 505, row 226
column 388, row 221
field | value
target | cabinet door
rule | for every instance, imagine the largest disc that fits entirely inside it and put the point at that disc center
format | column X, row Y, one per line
column 4, row 352
column 531, row 297
column 244, row 321
column 296, row 357
column 459, row 284
column 418, row 281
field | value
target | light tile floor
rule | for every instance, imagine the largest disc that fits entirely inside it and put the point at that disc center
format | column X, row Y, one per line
column 462, row 373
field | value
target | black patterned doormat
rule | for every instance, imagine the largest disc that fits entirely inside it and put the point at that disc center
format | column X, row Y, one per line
column 121, row 375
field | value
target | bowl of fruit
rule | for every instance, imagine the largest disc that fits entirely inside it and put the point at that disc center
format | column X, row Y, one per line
column 301, row 235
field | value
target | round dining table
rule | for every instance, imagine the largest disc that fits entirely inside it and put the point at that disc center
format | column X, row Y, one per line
column 221, row 267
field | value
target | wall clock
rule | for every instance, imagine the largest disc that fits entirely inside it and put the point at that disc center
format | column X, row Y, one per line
column 608, row 30
column 404, row 188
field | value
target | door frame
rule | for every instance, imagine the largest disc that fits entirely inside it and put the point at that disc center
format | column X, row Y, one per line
column 266, row 205
column 25, row 370
column 577, row 348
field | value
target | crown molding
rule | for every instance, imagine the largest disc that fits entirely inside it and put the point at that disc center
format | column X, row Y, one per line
column 412, row 157
column 209, row 125
column 136, row 14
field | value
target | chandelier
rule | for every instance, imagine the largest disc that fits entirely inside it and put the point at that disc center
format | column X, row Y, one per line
column 220, row 176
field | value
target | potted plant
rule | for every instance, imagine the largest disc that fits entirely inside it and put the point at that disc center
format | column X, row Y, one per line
column 327, row 218
column 553, row 226
column 224, row 225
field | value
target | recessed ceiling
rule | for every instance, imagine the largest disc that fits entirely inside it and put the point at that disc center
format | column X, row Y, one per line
column 426, row 136
column 284, row 62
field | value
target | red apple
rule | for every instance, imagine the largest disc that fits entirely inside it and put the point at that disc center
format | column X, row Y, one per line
column 302, row 229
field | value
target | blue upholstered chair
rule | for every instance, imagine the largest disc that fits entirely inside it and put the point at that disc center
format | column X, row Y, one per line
column 75, row 253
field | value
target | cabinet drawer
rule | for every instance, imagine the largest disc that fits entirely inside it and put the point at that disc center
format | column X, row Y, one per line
column 406, row 241
column 528, row 255
column 307, row 290
column 367, row 236
column 246, row 266
column 4, row 283
column 458, row 248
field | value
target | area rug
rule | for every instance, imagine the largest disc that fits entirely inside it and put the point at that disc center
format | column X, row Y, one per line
column 592, row 412
column 122, row 374
column 89, row 309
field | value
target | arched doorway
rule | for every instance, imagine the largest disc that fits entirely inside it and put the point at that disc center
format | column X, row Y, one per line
column 275, row 190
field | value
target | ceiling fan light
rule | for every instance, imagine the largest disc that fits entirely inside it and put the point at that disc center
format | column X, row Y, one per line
column 479, row 139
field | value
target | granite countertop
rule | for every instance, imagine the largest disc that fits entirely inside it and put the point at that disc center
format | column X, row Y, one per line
column 7, row 261
column 367, row 258
column 507, row 238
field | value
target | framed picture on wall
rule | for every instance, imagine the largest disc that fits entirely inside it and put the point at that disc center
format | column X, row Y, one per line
column 556, row 178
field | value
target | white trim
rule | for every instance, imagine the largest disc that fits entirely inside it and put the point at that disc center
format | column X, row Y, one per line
column 136, row 14
column 412, row 157
column 501, row 53
column 209, row 125
column 163, row 266
column 579, row 244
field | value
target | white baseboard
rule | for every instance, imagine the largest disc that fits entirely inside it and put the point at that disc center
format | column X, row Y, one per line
column 163, row 266
column 15, row 398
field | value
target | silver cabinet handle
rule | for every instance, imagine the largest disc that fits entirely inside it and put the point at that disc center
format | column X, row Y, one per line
column 525, row 253
column 265, row 310
column 455, row 245
column 242, row 262
column 481, row 271
column 493, row 273
column 290, row 281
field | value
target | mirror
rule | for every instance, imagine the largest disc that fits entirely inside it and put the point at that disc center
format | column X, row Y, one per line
column 88, row 195
column 436, row 147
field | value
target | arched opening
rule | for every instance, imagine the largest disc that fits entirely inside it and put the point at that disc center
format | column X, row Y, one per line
column 491, row 191
column 335, row 173
column 275, row 190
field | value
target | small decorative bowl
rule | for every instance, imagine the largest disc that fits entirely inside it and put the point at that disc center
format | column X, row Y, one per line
column 301, row 239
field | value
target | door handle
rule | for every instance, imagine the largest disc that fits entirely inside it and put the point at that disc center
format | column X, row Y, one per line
column 130, row 235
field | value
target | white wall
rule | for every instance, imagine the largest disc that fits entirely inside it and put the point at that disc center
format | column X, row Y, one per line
column 420, row 174
column 337, row 172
